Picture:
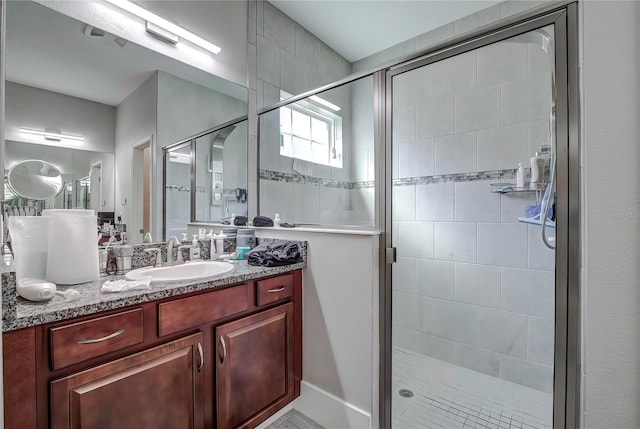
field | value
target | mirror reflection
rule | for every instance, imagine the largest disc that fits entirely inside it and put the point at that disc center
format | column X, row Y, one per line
column 208, row 175
column 34, row 179
column 110, row 106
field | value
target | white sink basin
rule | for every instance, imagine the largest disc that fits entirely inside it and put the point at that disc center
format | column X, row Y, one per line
column 190, row 271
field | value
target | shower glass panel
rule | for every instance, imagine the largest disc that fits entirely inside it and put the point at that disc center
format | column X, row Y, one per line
column 221, row 173
column 316, row 158
column 473, row 286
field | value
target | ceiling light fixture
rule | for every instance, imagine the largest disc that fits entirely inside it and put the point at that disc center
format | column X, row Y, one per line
column 325, row 103
column 51, row 136
column 169, row 27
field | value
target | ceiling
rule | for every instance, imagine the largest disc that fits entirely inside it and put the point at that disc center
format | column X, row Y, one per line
column 358, row 28
column 48, row 50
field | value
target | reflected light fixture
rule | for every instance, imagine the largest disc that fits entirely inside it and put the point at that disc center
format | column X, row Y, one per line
column 163, row 28
column 52, row 136
column 325, row 103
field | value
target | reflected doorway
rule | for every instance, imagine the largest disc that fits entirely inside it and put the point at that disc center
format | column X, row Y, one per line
column 141, row 170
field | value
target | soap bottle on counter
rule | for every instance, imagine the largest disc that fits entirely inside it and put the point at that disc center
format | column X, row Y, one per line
column 276, row 220
column 194, row 250
column 220, row 243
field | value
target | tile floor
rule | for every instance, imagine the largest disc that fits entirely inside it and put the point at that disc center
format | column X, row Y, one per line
column 294, row 419
column 447, row 396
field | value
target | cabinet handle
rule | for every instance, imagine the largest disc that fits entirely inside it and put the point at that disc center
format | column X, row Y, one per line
column 99, row 340
column 276, row 290
column 224, row 350
column 201, row 358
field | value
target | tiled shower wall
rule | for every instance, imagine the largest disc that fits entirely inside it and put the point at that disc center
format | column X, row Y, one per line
column 290, row 58
column 472, row 286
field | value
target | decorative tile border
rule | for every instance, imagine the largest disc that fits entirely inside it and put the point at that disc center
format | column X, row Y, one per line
column 278, row 176
column 460, row 177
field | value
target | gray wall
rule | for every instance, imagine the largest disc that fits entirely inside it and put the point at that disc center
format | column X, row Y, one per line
column 136, row 120
column 28, row 107
column 282, row 55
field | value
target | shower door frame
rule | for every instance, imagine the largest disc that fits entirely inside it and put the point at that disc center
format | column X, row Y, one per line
column 564, row 18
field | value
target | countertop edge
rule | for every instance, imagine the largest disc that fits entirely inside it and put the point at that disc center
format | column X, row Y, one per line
column 127, row 299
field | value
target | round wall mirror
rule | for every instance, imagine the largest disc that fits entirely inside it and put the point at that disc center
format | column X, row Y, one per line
column 35, row 180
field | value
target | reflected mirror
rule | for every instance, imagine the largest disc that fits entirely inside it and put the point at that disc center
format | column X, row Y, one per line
column 35, row 180
column 107, row 106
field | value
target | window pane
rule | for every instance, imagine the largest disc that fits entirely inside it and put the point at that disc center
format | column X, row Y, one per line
column 301, row 125
column 319, row 131
column 302, row 149
column 285, row 120
column 320, row 153
column 286, row 147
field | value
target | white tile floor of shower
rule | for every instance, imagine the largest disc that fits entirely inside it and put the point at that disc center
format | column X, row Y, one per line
column 447, row 396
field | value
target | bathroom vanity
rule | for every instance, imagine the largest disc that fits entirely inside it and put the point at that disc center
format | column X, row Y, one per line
column 220, row 354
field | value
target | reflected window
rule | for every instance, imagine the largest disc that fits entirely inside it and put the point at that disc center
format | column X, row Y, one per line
column 311, row 133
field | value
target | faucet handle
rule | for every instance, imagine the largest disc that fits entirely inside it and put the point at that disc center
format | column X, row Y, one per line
column 158, row 255
column 179, row 258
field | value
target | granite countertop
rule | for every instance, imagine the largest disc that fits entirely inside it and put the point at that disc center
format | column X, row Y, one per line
column 22, row 313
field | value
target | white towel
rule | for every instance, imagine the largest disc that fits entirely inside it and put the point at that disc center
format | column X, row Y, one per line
column 29, row 243
column 72, row 255
column 144, row 283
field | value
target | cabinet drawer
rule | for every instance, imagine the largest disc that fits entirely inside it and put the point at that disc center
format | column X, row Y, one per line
column 185, row 313
column 84, row 340
column 274, row 289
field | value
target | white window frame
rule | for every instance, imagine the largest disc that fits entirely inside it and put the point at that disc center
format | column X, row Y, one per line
column 335, row 132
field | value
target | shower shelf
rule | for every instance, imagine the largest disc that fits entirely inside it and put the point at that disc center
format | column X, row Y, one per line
column 507, row 188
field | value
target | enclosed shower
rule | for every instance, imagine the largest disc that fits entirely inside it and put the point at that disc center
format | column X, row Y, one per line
column 473, row 286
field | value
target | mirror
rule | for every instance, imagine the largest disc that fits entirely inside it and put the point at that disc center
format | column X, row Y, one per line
column 100, row 94
column 215, row 163
column 35, row 180
column 83, row 174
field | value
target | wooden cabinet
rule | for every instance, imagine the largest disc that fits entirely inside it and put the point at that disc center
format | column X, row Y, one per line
column 158, row 388
column 223, row 358
column 254, row 366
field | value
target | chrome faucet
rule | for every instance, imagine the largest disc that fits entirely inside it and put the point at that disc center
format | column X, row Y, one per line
column 172, row 244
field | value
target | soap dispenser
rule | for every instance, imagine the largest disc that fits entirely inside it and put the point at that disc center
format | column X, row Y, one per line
column 194, row 250
column 220, row 243
column 276, row 220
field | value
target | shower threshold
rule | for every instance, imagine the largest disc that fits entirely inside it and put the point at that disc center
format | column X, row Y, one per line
column 447, row 396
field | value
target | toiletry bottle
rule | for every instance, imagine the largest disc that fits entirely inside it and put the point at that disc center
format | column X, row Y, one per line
column 537, row 167
column 276, row 221
column 220, row 243
column 212, row 245
column 545, row 153
column 520, row 176
column 194, row 250
column 233, row 219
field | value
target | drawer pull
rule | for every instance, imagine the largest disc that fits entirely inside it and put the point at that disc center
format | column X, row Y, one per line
column 224, row 350
column 99, row 340
column 276, row 290
column 201, row 358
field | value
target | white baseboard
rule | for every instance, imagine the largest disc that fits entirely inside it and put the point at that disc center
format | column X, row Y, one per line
column 329, row 410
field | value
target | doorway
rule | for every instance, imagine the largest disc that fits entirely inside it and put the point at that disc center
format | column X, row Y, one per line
column 141, row 174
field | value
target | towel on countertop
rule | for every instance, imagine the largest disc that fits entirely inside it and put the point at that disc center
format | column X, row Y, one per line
column 274, row 254
column 123, row 285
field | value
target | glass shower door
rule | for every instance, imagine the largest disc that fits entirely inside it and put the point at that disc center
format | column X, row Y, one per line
column 474, row 283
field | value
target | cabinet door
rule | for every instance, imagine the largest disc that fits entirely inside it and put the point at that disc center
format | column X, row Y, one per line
column 254, row 367
column 157, row 388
